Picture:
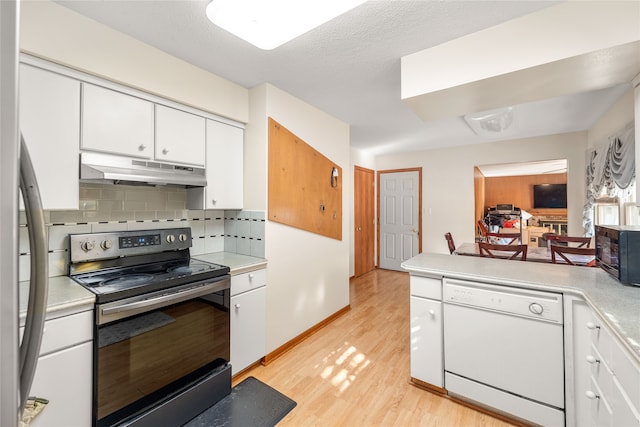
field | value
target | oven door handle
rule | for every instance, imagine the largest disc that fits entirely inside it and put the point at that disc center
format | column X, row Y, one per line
column 127, row 309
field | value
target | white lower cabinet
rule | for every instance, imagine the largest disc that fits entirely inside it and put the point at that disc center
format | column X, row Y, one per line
column 248, row 319
column 426, row 331
column 64, row 374
column 606, row 378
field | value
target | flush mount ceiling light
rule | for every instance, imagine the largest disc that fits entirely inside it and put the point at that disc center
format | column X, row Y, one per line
column 269, row 24
column 492, row 122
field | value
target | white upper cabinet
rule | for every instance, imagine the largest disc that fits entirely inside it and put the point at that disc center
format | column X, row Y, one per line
column 180, row 136
column 225, row 161
column 50, row 124
column 224, row 165
column 114, row 122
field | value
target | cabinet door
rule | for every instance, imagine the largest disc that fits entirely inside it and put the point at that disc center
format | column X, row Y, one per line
column 248, row 318
column 65, row 379
column 50, row 124
column 426, row 341
column 225, row 151
column 114, row 122
column 180, row 136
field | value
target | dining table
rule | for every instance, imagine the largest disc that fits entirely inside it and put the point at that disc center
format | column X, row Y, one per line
column 534, row 254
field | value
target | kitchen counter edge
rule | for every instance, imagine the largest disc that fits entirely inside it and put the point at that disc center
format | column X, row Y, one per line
column 66, row 297
column 617, row 304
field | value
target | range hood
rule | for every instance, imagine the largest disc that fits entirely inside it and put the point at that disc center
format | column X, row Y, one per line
column 107, row 168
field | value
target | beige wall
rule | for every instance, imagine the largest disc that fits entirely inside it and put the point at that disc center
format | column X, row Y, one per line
column 308, row 274
column 53, row 32
column 448, row 181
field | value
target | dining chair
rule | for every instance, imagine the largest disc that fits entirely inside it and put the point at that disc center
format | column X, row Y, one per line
column 559, row 254
column 452, row 246
column 496, row 238
column 492, row 250
column 482, row 229
column 581, row 242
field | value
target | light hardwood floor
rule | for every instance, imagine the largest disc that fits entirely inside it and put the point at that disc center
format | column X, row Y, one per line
column 355, row 371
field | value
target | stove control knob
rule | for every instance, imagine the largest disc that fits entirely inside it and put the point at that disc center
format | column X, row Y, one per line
column 87, row 246
column 182, row 237
column 106, row 244
column 171, row 238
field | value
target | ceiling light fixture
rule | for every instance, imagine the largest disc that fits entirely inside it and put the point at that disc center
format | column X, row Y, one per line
column 491, row 122
column 269, row 24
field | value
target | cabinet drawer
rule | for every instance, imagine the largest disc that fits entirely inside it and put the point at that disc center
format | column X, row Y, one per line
column 426, row 287
column 66, row 332
column 601, row 413
column 601, row 338
column 600, row 371
column 627, row 374
column 624, row 411
column 248, row 281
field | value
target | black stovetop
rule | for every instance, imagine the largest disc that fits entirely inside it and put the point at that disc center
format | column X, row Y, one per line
column 115, row 283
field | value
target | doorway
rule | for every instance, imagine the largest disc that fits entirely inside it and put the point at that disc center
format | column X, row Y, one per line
column 364, row 221
column 400, row 224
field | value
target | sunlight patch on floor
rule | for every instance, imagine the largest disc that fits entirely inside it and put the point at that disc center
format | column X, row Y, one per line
column 344, row 370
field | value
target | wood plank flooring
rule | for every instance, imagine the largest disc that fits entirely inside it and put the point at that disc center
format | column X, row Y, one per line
column 355, row 371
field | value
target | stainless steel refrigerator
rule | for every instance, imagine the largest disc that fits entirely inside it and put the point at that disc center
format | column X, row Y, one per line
column 17, row 359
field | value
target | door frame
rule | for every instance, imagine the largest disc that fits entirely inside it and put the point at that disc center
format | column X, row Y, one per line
column 380, row 172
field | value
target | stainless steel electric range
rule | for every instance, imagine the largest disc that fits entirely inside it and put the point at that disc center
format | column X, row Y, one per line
column 162, row 333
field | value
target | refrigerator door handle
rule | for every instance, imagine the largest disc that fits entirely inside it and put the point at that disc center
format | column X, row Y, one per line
column 37, row 306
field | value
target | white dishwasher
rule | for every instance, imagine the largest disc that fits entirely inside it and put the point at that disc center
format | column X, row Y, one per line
column 503, row 348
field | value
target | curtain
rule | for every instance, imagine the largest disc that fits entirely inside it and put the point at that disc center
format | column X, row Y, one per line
column 610, row 170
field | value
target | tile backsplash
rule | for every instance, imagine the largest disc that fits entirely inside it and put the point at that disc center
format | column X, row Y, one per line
column 106, row 207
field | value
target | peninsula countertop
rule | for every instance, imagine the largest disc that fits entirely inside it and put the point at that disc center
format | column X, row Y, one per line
column 617, row 304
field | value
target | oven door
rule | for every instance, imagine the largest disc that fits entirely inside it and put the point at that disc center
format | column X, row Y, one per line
column 151, row 347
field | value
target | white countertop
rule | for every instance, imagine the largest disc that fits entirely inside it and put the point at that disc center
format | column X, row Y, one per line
column 617, row 304
column 237, row 263
column 66, row 297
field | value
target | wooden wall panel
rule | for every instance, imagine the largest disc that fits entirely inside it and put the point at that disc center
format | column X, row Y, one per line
column 302, row 193
column 519, row 191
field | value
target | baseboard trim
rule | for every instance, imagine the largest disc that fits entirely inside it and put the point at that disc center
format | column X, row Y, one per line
column 298, row 339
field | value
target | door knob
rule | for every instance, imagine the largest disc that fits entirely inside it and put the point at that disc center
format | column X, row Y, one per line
column 359, row 228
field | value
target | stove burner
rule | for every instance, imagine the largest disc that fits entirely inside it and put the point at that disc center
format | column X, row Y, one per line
column 152, row 268
column 128, row 280
column 194, row 268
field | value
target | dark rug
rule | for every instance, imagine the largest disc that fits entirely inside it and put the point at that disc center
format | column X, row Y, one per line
column 251, row 403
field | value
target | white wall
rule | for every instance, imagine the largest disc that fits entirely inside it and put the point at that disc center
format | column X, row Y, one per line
column 448, row 188
column 308, row 274
column 60, row 35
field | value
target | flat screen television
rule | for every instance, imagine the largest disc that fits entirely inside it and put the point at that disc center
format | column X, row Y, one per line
column 550, row 196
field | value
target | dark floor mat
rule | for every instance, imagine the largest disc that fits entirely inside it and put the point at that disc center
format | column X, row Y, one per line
column 251, row 403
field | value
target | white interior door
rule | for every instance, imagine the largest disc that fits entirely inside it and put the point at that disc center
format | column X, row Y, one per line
column 399, row 218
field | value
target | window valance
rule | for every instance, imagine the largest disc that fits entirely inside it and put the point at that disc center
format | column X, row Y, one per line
column 610, row 170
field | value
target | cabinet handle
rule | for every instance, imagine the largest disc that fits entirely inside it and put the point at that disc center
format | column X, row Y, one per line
column 592, row 359
column 432, row 313
column 591, row 395
column 250, row 276
column 592, row 326
column 165, row 151
column 237, row 306
column 142, row 147
column 213, row 201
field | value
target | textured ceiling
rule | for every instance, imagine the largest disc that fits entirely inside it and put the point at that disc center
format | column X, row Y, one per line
column 349, row 67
